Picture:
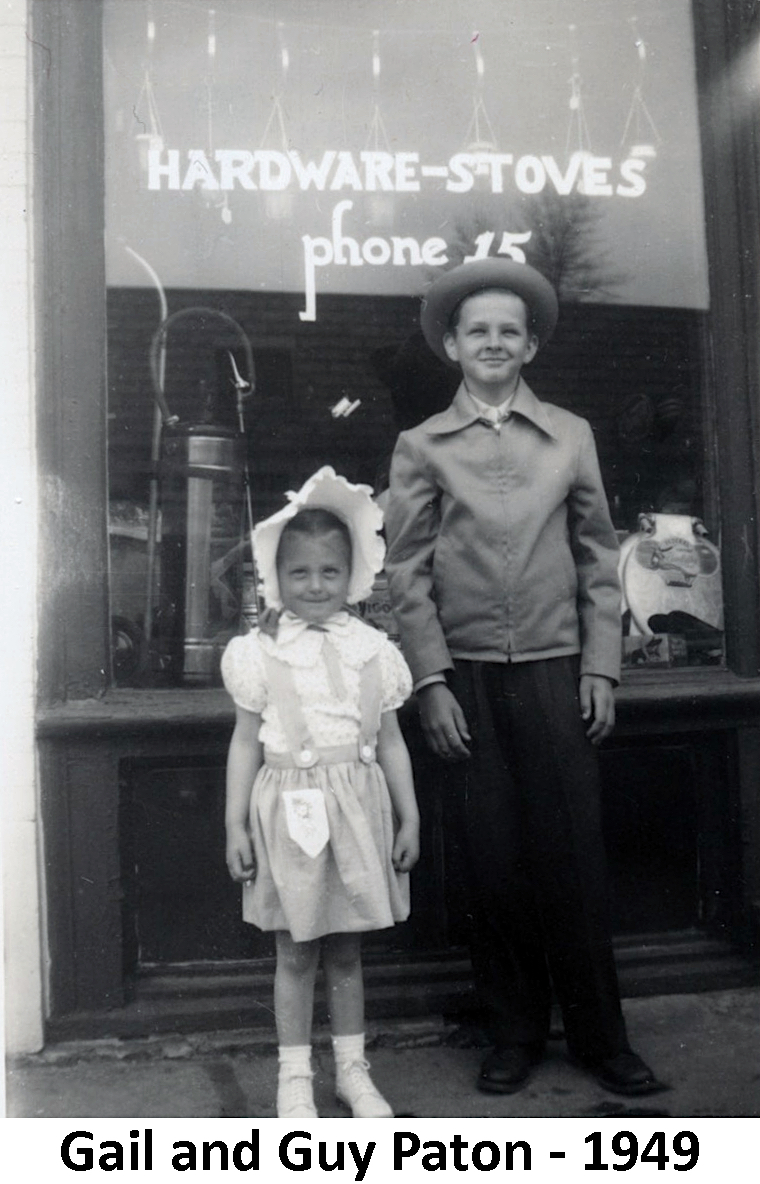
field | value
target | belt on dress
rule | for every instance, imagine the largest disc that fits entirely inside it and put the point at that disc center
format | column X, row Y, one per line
column 307, row 758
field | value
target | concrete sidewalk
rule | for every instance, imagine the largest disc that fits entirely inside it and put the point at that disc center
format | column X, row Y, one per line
column 706, row 1046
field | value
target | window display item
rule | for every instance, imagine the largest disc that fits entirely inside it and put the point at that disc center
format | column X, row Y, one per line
column 671, row 579
column 655, row 649
column 203, row 520
column 378, row 610
column 203, row 494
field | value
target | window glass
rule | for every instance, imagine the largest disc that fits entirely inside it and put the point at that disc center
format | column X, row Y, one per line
column 283, row 180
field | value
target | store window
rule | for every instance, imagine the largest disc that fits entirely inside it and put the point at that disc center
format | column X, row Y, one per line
column 283, row 180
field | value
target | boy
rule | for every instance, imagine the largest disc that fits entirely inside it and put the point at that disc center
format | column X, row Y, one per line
column 502, row 562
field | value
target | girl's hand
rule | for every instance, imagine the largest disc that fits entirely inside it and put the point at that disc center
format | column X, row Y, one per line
column 406, row 848
column 240, row 862
column 597, row 705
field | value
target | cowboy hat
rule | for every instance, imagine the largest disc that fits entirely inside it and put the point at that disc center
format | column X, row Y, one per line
column 450, row 289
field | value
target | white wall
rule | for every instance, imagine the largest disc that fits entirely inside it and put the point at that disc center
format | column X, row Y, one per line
column 23, row 998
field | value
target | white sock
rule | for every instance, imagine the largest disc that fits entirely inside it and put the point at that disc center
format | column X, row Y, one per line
column 348, row 1049
column 295, row 1057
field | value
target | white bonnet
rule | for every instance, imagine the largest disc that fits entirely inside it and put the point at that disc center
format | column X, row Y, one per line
column 353, row 504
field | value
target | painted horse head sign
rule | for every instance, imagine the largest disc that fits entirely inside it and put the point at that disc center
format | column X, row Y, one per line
column 326, row 149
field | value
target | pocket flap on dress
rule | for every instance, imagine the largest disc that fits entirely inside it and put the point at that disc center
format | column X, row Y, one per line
column 306, row 819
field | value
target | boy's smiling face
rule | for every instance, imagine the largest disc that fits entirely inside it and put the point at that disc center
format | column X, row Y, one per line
column 492, row 341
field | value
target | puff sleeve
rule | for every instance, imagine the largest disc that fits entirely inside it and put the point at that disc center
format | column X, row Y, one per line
column 395, row 676
column 243, row 672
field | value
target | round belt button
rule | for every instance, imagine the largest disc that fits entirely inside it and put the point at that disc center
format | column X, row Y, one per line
column 366, row 753
column 306, row 755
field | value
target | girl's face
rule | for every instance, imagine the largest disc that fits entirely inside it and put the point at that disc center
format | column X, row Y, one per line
column 313, row 574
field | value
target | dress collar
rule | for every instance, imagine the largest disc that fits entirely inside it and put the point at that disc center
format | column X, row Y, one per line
column 298, row 644
column 291, row 628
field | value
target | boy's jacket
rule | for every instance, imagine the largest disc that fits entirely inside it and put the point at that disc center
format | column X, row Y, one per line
column 500, row 543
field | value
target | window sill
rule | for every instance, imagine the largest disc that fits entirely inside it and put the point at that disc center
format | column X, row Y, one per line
column 708, row 691
column 150, row 710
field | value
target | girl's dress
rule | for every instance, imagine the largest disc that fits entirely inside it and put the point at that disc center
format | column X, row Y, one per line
column 321, row 816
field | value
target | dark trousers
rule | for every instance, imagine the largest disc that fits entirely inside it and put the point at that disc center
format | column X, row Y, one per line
column 523, row 824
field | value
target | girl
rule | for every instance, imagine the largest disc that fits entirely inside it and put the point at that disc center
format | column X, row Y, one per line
column 327, row 836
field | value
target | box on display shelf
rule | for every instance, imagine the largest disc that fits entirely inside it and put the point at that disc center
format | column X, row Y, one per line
column 655, row 649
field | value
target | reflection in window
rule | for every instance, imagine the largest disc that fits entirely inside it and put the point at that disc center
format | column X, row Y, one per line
column 241, row 176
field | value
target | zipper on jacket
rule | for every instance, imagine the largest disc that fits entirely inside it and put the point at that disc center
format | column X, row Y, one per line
column 503, row 497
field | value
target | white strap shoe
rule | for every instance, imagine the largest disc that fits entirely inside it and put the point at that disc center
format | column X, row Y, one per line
column 354, row 1087
column 295, row 1096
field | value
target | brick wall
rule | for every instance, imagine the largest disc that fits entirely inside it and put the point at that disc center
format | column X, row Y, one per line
column 633, row 372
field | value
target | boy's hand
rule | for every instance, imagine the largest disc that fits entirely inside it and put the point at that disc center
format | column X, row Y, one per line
column 406, row 848
column 598, row 705
column 240, row 862
column 443, row 722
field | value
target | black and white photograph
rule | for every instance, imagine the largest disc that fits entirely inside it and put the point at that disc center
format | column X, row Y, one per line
column 381, row 732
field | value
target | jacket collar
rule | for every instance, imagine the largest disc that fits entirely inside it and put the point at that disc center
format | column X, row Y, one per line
column 462, row 412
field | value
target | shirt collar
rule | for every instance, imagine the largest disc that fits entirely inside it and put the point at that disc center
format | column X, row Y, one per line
column 463, row 411
column 494, row 414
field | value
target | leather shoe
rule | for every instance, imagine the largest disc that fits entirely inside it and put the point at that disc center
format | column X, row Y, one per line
column 625, row 1073
column 506, row 1070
